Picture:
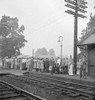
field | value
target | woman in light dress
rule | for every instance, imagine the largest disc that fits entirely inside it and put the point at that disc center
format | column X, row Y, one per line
column 28, row 63
column 70, row 66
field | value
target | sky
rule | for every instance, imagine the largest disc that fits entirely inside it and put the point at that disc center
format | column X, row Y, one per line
column 45, row 21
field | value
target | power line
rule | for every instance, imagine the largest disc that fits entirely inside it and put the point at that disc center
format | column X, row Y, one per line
column 45, row 25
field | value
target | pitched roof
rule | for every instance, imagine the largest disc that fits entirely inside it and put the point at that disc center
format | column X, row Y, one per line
column 90, row 39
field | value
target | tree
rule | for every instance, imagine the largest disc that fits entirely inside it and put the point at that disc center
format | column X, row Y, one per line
column 94, row 7
column 86, row 32
column 41, row 51
column 91, row 23
column 83, row 33
column 44, row 51
column 89, row 29
column 38, row 52
column 51, row 52
column 12, row 38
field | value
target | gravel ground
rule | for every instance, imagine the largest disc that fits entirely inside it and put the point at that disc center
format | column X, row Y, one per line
column 42, row 92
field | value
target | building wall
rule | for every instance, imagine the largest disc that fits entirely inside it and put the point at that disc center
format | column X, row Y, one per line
column 91, row 60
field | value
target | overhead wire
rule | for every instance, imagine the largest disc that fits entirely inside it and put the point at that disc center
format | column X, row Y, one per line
column 45, row 25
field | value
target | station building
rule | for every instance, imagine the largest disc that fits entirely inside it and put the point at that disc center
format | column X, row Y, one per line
column 88, row 44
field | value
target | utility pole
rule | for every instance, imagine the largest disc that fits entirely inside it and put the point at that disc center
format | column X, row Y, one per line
column 76, row 6
column 32, row 52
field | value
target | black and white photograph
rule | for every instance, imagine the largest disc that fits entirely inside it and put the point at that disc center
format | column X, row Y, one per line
column 47, row 49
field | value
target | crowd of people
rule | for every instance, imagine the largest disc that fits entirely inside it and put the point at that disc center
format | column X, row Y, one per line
column 48, row 65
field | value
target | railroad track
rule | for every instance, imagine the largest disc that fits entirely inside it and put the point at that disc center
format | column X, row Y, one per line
column 11, row 92
column 62, row 82
column 84, row 89
column 72, row 92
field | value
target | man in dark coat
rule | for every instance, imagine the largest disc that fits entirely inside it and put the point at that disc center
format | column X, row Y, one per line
column 47, row 65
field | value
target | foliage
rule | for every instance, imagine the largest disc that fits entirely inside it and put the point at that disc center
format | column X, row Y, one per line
column 12, row 38
column 90, row 27
column 91, row 23
column 85, row 33
column 42, row 51
column 51, row 52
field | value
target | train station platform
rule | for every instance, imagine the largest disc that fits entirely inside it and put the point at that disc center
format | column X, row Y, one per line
column 70, row 78
column 12, row 71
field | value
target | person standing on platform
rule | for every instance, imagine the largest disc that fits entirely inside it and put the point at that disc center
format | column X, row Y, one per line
column 66, row 65
column 12, row 63
column 47, row 65
column 70, row 66
column 52, row 66
column 57, row 68
column 38, row 64
column 16, row 63
column 58, row 63
column 58, row 60
column 42, row 65
column 3, row 60
column 31, row 65
column 63, row 66
column 7, row 61
column 27, row 63
column 83, row 68
column 35, row 64
column 78, row 67
column 44, row 62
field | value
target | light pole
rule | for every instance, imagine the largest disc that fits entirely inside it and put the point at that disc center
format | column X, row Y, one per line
column 60, row 39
